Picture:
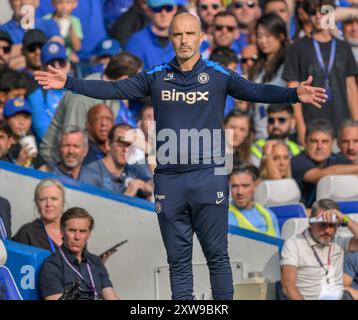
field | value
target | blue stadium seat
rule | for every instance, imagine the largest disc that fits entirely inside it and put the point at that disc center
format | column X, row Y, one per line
column 288, row 211
column 348, row 206
column 8, row 283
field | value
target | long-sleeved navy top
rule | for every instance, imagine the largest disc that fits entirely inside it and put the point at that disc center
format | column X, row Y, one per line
column 188, row 107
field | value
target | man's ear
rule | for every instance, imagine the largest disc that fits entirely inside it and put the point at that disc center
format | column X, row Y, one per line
column 257, row 182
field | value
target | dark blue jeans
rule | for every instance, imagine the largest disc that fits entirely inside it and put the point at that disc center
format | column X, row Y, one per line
column 197, row 202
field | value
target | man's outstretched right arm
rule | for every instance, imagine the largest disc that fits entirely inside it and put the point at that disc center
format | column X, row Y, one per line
column 132, row 88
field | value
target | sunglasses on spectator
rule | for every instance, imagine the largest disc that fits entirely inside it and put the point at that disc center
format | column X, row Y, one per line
column 6, row 49
column 239, row 5
column 57, row 63
column 33, row 47
column 313, row 11
column 281, row 120
column 254, row 58
column 122, row 143
column 167, row 8
column 219, row 27
column 205, row 7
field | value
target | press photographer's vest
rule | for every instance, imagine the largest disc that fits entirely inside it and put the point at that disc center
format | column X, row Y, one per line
column 257, row 148
column 243, row 222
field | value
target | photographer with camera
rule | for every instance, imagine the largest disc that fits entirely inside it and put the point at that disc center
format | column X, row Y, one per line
column 114, row 173
column 72, row 273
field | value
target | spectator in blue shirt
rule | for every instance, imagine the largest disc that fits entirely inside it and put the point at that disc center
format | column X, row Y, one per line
column 350, row 276
column 152, row 44
column 90, row 13
column 15, row 27
column 243, row 211
column 73, row 147
column 44, row 102
column 114, row 173
column 100, row 121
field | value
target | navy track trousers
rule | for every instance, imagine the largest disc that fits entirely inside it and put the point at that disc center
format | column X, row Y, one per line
column 195, row 201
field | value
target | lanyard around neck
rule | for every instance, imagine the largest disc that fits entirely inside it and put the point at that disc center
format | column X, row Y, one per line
column 326, row 270
column 3, row 233
column 332, row 56
column 52, row 245
column 92, row 286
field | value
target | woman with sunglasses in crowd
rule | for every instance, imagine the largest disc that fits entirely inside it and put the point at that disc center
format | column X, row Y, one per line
column 272, row 40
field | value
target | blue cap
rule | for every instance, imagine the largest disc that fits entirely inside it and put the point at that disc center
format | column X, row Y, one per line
column 108, row 47
column 161, row 3
column 14, row 106
column 52, row 51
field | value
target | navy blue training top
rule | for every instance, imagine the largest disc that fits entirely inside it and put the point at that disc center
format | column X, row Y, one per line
column 186, row 101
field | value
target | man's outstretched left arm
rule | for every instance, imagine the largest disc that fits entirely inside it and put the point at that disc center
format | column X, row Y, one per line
column 243, row 89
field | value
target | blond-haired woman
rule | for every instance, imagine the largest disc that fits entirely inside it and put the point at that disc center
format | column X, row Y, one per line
column 276, row 163
column 45, row 232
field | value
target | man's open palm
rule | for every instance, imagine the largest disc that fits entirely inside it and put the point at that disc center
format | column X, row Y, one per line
column 311, row 95
column 52, row 79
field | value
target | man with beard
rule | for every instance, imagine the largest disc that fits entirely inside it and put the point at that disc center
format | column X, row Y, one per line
column 348, row 140
column 280, row 124
column 5, row 48
column 243, row 211
column 312, row 261
column 100, row 121
column 73, row 148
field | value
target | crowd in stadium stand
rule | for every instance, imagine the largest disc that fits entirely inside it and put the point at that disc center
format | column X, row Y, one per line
column 279, row 42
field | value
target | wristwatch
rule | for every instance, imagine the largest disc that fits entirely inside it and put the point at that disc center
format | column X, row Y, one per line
column 345, row 221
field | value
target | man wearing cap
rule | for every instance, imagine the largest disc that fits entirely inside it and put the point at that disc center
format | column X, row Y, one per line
column 31, row 50
column 18, row 114
column 5, row 48
column 152, row 44
column 32, row 44
column 191, row 184
column 44, row 102
column 312, row 261
column 105, row 50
